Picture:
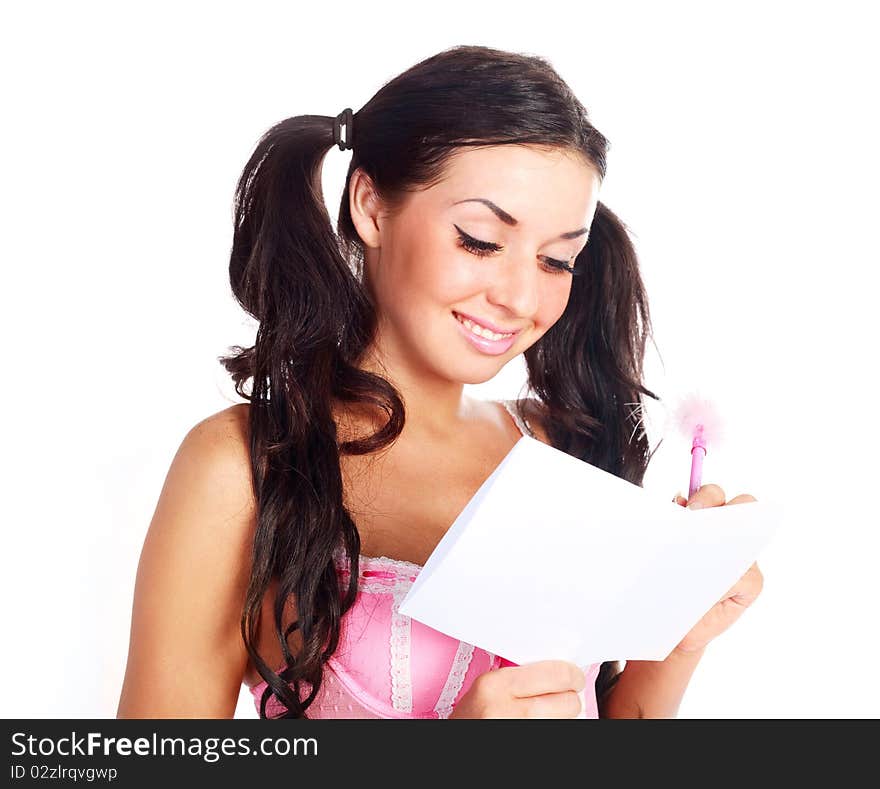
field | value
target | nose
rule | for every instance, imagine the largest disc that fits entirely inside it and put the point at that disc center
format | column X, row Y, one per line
column 515, row 287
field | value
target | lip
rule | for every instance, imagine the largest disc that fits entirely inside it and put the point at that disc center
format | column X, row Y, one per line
column 491, row 326
column 490, row 347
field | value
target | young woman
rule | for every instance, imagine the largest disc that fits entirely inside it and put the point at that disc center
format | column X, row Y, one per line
column 290, row 526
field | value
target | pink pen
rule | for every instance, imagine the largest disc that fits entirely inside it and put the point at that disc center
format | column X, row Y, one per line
column 698, row 452
column 698, row 421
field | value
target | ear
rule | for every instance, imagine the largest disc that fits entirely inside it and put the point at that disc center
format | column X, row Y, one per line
column 364, row 206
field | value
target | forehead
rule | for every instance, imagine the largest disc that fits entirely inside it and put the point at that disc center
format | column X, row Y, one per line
column 535, row 185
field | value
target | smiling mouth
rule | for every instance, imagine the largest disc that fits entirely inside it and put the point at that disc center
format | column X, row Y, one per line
column 482, row 331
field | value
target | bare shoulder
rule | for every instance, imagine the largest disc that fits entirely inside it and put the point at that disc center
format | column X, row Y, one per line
column 191, row 579
column 535, row 413
column 223, row 434
column 212, row 469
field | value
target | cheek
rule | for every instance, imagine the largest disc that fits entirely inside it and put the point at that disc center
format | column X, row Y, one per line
column 449, row 278
column 421, row 274
column 554, row 299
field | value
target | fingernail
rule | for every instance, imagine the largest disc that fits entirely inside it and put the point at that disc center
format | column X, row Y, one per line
column 695, row 505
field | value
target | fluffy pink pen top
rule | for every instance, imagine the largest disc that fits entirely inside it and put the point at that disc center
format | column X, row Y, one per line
column 698, row 420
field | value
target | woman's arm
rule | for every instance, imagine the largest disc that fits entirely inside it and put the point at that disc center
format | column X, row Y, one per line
column 651, row 688
column 186, row 657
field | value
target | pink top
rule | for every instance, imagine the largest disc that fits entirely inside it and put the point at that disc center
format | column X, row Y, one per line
column 390, row 666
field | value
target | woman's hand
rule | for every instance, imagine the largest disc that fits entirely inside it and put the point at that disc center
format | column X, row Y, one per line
column 544, row 689
column 741, row 595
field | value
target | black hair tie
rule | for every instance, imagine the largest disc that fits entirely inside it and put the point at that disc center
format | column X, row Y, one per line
column 345, row 117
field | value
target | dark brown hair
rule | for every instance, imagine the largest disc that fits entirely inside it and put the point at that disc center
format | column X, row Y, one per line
column 304, row 284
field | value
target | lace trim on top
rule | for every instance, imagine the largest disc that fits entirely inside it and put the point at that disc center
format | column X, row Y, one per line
column 455, row 679
column 521, row 422
column 401, row 673
column 401, row 566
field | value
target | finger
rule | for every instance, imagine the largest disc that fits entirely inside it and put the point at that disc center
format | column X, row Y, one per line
column 751, row 583
column 679, row 499
column 545, row 676
column 708, row 495
column 742, row 499
column 566, row 704
column 749, row 586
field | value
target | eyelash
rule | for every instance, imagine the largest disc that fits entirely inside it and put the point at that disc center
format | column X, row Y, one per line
column 484, row 248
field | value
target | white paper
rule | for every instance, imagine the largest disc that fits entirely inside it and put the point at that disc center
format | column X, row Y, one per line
column 554, row 558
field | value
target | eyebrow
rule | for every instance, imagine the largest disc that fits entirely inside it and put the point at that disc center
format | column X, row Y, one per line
column 509, row 220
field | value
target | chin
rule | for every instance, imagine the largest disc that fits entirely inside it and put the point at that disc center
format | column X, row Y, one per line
column 477, row 373
column 477, row 379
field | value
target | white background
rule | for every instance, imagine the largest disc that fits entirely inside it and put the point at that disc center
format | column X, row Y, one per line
column 743, row 159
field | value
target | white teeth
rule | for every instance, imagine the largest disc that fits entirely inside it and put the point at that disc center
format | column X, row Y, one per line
column 480, row 331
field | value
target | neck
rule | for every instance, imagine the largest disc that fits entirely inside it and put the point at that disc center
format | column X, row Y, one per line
column 435, row 407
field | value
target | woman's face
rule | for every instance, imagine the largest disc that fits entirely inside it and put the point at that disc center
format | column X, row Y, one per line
column 448, row 254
